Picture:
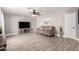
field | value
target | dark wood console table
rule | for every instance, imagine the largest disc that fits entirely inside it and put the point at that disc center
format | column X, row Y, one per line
column 24, row 30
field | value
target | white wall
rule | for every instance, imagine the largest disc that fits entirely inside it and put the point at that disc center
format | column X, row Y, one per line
column 56, row 19
column 11, row 23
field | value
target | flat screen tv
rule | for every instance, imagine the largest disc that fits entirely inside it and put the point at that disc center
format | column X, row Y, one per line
column 24, row 24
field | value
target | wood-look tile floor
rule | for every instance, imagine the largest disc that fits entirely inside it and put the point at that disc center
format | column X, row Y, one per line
column 37, row 42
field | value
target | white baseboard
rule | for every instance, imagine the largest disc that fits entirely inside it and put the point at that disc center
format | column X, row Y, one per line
column 77, row 39
column 11, row 34
column 59, row 35
column 66, row 37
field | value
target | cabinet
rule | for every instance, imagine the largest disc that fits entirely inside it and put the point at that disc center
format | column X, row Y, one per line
column 24, row 30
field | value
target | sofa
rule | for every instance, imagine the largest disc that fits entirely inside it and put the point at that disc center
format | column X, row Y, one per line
column 46, row 30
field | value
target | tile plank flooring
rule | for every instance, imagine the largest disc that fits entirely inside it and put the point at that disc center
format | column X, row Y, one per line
column 37, row 42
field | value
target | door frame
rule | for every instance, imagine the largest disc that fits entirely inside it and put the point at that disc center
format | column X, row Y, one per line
column 65, row 25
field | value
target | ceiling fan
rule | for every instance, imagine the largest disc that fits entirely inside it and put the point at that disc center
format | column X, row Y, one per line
column 35, row 12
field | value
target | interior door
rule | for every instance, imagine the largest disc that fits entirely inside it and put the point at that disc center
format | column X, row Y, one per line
column 70, row 25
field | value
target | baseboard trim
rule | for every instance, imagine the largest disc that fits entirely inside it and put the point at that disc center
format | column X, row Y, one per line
column 66, row 37
column 77, row 39
column 59, row 35
column 11, row 34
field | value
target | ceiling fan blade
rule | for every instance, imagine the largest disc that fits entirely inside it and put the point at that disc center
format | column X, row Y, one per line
column 34, row 11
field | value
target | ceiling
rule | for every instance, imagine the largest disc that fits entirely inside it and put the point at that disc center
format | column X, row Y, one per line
column 26, row 10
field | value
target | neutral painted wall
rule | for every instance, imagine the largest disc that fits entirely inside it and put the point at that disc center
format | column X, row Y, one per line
column 56, row 19
column 11, row 23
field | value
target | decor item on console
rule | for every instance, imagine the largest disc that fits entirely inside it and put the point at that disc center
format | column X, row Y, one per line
column 46, row 30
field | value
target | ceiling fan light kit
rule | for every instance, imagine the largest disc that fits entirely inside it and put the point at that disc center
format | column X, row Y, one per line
column 34, row 15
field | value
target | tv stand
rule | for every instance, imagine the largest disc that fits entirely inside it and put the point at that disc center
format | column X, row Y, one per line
column 24, row 30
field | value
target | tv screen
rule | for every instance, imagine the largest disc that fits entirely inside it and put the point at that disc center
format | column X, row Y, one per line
column 24, row 24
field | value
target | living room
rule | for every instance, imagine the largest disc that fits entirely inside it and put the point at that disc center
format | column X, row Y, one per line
column 40, row 18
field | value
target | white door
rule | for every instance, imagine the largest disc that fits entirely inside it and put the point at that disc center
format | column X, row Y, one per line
column 70, row 25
